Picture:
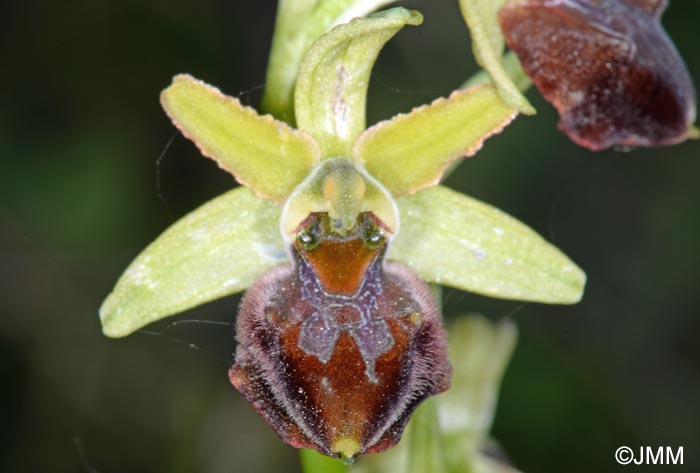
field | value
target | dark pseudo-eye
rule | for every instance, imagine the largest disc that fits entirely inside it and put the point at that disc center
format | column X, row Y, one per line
column 337, row 349
column 373, row 237
column 608, row 67
column 308, row 239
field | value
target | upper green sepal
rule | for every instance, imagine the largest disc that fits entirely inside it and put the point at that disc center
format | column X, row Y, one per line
column 298, row 24
column 454, row 240
column 412, row 151
column 216, row 250
column 262, row 153
column 331, row 90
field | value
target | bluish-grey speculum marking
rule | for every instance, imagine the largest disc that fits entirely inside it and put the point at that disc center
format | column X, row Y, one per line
column 338, row 313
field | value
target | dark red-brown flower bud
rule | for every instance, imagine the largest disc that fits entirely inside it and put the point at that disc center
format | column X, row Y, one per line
column 338, row 348
column 608, row 67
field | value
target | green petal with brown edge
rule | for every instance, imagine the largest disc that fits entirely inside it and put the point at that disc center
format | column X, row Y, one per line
column 454, row 240
column 262, row 153
column 488, row 44
column 331, row 91
column 298, row 24
column 412, row 151
column 218, row 249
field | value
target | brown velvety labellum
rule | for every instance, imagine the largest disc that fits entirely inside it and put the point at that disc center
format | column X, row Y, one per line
column 608, row 67
column 338, row 348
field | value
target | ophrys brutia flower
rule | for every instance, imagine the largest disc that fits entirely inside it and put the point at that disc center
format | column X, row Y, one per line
column 335, row 232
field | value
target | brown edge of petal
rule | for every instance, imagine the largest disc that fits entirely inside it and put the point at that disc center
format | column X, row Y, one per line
column 246, row 109
column 469, row 152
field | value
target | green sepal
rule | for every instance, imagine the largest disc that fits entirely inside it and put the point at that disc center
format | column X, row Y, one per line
column 331, row 90
column 488, row 45
column 412, row 151
column 298, row 24
column 218, row 249
column 454, row 240
column 262, row 153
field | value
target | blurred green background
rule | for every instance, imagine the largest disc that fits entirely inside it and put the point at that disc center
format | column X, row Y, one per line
column 88, row 179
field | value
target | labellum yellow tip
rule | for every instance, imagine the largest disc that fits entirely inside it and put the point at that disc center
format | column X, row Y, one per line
column 348, row 447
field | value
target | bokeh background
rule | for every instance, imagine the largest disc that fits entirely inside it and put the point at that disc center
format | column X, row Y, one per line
column 92, row 171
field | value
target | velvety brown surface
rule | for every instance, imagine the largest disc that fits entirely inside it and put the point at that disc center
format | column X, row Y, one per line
column 607, row 66
column 322, row 365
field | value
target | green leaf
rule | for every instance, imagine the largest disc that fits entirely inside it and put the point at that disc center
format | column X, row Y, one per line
column 488, row 44
column 298, row 24
column 262, row 153
column 218, row 249
column 454, row 240
column 412, row 151
column 330, row 94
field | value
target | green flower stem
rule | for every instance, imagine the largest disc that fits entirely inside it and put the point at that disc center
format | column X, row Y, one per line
column 288, row 46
